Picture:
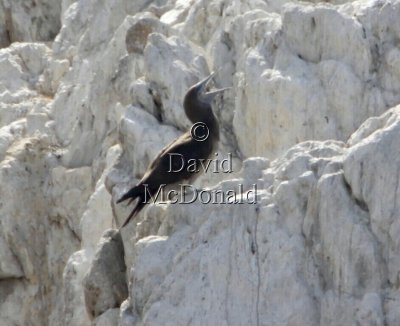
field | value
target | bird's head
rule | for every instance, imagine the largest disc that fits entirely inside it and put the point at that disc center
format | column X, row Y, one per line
column 198, row 98
column 198, row 90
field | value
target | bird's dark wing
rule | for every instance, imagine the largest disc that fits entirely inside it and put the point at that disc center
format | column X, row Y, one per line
column 176, row 153
column 167, row 148
column 156, row 174
column 161, row 157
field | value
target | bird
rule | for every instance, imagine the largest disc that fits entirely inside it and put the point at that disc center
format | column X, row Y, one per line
column 196, row 144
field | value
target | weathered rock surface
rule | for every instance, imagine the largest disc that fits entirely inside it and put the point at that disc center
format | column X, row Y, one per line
column 105, row 284
column 317, row 249
column 110, row 317
column 29, row 21
column 314, row 92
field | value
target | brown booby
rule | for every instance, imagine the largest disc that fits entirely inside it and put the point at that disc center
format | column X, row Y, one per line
column 193, row 145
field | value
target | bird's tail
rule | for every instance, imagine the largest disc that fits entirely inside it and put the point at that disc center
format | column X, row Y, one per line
column 132, row 194
column 135, row 211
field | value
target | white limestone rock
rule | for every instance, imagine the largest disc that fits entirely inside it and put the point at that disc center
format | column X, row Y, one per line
column 70, row 306
column 109, row 318
column 70, row 193
column 172, row 65
column 22, row 21
column 9, row 265
column 81, row 118
column 21, row 67
column 332, row 88
column 142, row 137
column 136, row 36
column 34, row 248
column 4, row 36
column 315, row 249
column 371, row 170
column 98, row 215
column 93, row 111
column 96, row 218
column 40, row 248
column 105, row 284
column 14, row 308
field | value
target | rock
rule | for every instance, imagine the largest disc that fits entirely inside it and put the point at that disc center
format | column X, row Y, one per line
column 175, row 58
column 29, row 22
column 70, row 304
column 309, row 68
column 13, row 303
column 96, row 218
column 371, row 311
column 98, row 215
column 32, row 264
column 4, row 34
column 136, row 36
column 70, row 192
column 9, row 265
column 105, row 283
column 109, row 318
column 367, row 169
column 90, row 91
column 319, row 274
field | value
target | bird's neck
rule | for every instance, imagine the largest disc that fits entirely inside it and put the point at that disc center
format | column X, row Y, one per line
column 212, row 124
column 203, row 113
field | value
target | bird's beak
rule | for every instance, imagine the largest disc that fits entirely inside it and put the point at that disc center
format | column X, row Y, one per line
column 202, row 84
column 208, row 96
